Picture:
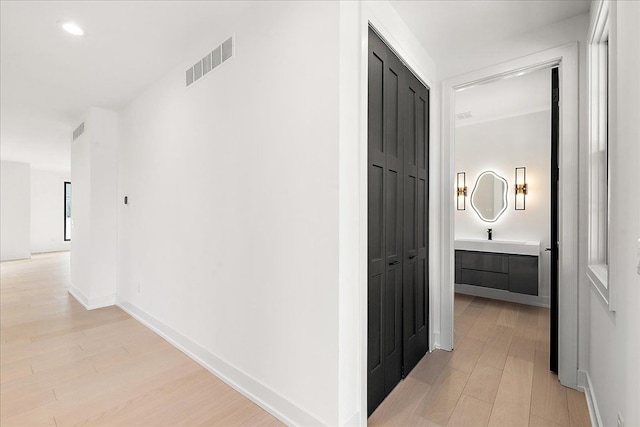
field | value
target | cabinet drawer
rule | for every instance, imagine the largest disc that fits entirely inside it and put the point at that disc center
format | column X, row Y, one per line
column 486, row 279
column 523, row 274
column 497, row 263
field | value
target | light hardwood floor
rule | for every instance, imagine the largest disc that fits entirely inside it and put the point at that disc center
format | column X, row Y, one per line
column 497, row 375
column 62, row 365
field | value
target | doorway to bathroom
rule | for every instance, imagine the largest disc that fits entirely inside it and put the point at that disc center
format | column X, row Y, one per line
column 506, row 219
column 565, row 58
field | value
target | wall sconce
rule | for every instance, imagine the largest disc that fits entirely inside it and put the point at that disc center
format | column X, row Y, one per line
column 462, row 191
column 521, row 188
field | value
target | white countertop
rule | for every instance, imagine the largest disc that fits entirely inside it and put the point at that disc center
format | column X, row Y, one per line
column 499, row 246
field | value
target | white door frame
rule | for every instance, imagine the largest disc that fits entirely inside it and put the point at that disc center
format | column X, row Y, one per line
column 566, row 57
column 383, row 18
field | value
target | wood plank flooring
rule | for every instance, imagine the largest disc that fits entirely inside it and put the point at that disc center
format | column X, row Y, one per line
column 497, row 375
column 62, row 365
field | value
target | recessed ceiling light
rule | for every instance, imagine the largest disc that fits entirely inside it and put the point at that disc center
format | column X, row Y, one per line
column 72, row 28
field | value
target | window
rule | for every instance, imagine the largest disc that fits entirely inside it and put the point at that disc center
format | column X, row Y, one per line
column 67, row 211
column 599, row 145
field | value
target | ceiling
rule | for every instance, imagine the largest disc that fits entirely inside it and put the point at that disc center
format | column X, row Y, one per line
column 448, row 27
column 508, row 97
column 49, row 78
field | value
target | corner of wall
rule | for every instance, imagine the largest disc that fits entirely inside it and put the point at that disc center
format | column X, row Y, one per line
column 92, row 303
column 585, row 385
column 79, row 296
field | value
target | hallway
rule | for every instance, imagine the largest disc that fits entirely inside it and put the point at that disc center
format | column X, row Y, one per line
column 63, row 365
column 497, row 375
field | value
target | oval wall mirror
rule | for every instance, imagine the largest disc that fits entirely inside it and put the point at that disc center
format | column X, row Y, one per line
column 489, row 197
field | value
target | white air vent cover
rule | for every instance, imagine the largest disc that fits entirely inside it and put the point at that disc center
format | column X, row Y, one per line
column 214, row 58
column 78, row 131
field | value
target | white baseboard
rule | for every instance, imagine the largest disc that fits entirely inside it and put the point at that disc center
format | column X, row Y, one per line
column 14, row 257
column 92, row 303
column 479, row 291
column 48, row 251
column 280, row 407
column 436, row 341
column 584, row 383
column 79, row 296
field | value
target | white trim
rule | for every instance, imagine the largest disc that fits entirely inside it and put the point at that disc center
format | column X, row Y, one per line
column 566, row 58
column 598, row 201
column 436, row 342
column 92, row 303
column 598, row 28
column 598, row 276
column 500, row 294
column 268, row 399
column 15, row 257
column 585, row 384
column 79, row 296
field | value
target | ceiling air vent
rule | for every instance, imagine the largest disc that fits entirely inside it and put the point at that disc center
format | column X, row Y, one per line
column 78, row 131
column 214, row 58
column 465, row 115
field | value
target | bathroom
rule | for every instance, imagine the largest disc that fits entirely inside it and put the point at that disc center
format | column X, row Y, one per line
column 504, row 139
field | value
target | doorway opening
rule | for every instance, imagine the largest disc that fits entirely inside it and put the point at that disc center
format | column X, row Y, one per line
column 506, row 164
column 67, row 211
column 564, row 58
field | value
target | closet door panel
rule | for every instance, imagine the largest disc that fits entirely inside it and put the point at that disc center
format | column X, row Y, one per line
column 385, row 221
column 415, row 297
column 376, row 226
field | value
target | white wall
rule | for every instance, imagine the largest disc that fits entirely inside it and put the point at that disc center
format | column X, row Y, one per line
column 81, row 218
column 614, row 340
column 230, row 238
column 47, row 211
column 102, row 129
column 501, row 146
column 15, row 210
column 556, row 34
column 93, row 211
column 350, row 276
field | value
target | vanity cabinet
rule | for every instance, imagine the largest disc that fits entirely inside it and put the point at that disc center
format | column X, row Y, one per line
column 509, row 272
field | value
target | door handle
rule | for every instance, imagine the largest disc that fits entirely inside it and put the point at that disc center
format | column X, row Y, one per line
column 412, row 256
column 547, row 249
column 394, row 263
